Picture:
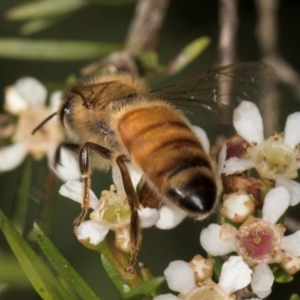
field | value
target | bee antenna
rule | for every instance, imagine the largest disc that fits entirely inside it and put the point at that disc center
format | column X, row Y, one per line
column 42, row 124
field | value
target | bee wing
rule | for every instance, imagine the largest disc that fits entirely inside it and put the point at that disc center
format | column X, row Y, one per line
column 217, row 92
column 100, row 94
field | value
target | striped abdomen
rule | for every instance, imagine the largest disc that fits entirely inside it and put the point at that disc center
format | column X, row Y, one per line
column 161, row 142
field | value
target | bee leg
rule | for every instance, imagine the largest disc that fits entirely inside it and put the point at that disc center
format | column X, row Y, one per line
column 134, row 206
column 69, row 146
column 85, row 174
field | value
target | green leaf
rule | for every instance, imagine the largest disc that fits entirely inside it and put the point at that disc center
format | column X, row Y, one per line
column 280, row 275
column 41, row 9
column 187, row 55
column 218, row 263
column 44, row 282
column 36, row 25
column 120, row 283
column 149, row 59
column 144, row 289
column 114, row 2
column 20, row 203
column 149, row 62
column 147, row 275
column 114, row 266
column 294, row 297
column 11, row 272
column 53, row 50
column 62, row 266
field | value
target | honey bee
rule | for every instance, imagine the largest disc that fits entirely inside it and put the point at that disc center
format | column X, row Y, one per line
column 119, row 119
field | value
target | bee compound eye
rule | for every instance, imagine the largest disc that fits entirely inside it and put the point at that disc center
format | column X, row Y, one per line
column 65, row 110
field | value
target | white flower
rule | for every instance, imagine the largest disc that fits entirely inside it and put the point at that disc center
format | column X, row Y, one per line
column 237, row 206
column 27, row 100
column 166, row 297
column 170, row 216
column 276, row 158
column 235, row 275
column 290, row 263
column 94, row 231
column 262, row 280
column 258, row 241
column 180, row 277
column 112, row 211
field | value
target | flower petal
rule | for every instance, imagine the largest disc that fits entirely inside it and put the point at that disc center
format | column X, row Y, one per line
column 237, row 165
column 262, row 280
column 135, row 175
column 13, row 102
column 170, row 216
column 293, row 188
column 55, row 100
column 92, row 230
column 291, row 131
column 202, row 136
column 166, row 297
column 74, row 189
column 32, row 91
column 180, row 277
column 11, row 156
column 291, row 243
column 276, row 203
column 148, row 217
column 248, row 123
column 290, row 263
column 69, row 167
column 235, row 275
column 218, row 240
column 237, row 206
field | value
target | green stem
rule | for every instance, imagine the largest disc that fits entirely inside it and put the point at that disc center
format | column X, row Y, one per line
column 20, row 204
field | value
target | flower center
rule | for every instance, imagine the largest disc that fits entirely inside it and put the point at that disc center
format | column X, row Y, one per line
column 277, row 158
column 44, row 139
column 258, row 241
column 114, row 209
column 274, row 158
column 208, row 291
column 258, row 244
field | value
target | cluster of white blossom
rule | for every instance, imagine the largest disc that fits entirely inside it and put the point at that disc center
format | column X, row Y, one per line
column 257, row 241
column 26, row 101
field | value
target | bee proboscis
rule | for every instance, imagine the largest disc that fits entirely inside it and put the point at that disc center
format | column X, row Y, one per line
column 120, row 120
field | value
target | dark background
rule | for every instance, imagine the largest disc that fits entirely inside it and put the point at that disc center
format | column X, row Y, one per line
column 185, row 21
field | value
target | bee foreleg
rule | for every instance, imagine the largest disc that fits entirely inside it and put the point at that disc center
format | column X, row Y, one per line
column 85, row 174
column 69, row 146
column 134, row 206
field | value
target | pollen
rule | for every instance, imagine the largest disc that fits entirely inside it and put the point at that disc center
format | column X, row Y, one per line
column 258, row 241
column 114, row 210
column 274, row 158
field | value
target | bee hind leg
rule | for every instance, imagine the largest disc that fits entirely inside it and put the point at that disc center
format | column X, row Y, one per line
column 134, row 206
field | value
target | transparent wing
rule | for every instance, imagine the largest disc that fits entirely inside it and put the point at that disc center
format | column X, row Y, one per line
column 98, row 95
column 217, row 92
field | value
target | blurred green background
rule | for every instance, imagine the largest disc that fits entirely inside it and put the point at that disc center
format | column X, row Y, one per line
column 185, row 21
